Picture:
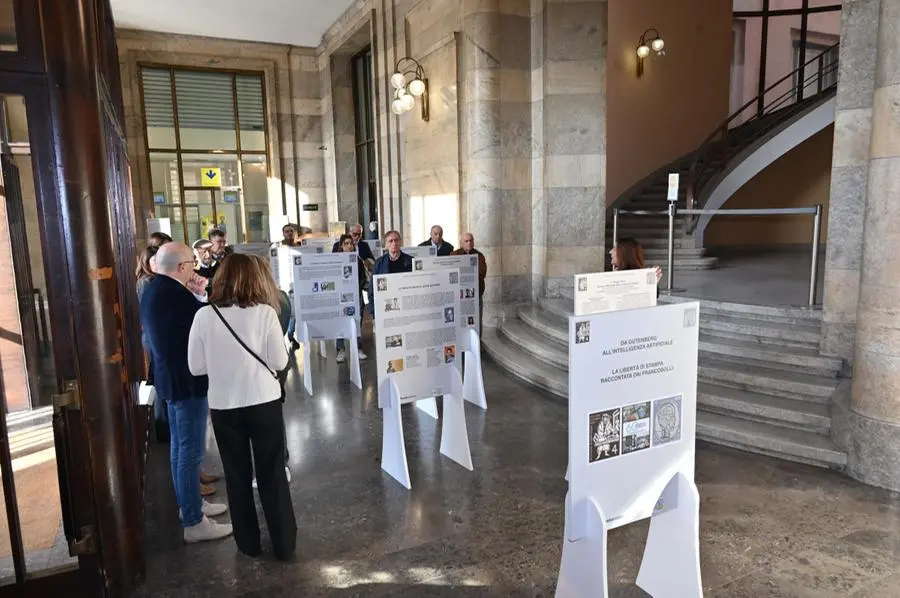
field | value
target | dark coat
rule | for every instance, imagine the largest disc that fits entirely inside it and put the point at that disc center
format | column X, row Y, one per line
column 167, row 313
column 445, row 248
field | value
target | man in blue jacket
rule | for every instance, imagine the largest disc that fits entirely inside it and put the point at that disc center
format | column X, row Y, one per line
column 167, row 313
column 392, row 261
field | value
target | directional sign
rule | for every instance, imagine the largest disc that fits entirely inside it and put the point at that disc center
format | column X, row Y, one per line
column 672, row 191
column 211, row 177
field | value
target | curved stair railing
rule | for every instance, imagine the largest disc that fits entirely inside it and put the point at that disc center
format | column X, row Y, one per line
column 724, row 142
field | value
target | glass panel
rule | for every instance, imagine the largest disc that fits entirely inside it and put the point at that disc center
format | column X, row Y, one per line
column 8, row 42
column 747, row 5
column 782, row 52
column 196, row 168
column 251, row 112
column 159, row 108
column 16, row 124
column 200, row 217
column 820, row 57
column 164, row 179
column 205, row 110
column 256, row 199
column 27, row 366
column 746, row 36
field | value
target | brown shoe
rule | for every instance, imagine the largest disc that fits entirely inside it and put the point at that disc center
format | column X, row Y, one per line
column 206, row 490
column 209, row 478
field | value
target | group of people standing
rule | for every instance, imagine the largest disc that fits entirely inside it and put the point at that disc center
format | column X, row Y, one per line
column 212, row 328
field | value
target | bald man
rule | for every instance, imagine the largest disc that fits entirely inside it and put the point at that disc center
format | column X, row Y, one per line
column 437, row 241
column 167, row 312
column 467, row 247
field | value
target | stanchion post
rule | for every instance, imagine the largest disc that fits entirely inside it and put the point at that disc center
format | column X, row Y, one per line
column 814, row 268
column 670, row 275
column 615, row 238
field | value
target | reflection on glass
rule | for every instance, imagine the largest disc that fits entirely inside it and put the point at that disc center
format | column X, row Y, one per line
column 251, row 112
column 8, row 42
column 29, row 379
column 159, row 109
column 256, row 198
column 205, row 110
column 199, row 214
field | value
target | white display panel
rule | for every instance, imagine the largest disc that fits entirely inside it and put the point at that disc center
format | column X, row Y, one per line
column 603, row 292
column 326, row 292
column 469, row 298
column 417, row 251
column 416, row 331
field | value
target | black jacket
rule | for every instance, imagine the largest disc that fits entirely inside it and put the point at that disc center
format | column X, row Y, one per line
column 445, row 248
column 167, row 312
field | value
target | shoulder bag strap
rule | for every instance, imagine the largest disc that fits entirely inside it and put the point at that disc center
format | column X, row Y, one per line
column 238, row 339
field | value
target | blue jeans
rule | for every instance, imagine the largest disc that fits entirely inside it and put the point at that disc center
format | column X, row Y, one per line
column 187, row 427
column 292, row 327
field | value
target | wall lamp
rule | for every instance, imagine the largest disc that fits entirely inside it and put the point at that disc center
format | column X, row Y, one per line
column 409, row 82
column 650, row 40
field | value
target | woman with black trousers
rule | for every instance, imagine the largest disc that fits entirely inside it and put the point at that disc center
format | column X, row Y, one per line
column 237, row 342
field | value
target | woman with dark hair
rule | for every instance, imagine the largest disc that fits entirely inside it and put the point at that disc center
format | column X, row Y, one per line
column 346, row 244
column 237, row 342
column 145, row 267
column 629, row 255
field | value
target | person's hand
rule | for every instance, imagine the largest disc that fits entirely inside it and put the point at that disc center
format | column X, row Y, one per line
column 658, row 274
column 197, row 284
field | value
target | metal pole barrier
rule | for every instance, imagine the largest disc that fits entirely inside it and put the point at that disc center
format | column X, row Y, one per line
column 615, row 239
column 670, row 275
column 814, row 269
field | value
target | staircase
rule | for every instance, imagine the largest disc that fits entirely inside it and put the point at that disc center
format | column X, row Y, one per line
column 703, row 169
column 762, row 386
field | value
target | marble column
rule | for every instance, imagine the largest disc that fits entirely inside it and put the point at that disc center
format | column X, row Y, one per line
column 481, row 163
column 875, row 400
column 849, row 175
column 574, row 138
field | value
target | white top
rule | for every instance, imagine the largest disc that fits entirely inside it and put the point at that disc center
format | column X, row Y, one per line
column 236, row 379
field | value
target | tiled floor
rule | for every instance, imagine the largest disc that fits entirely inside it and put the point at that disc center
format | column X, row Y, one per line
column 768, row 528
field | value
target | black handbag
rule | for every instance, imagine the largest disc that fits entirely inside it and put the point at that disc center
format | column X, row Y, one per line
column 275, row 374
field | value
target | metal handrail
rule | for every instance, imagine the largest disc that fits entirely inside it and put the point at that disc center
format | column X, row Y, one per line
column 700, row 164
column 672, row 212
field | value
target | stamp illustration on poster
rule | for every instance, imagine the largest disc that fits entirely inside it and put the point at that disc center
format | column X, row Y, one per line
column 666, row 420
column 582, row 332
column 635, row 427
column 604, row 434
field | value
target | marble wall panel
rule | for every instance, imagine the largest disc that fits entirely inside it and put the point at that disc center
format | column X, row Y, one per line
column 574, row 124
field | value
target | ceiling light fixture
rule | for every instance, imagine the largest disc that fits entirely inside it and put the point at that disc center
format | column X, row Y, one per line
column 409, row 82
column 650, row 40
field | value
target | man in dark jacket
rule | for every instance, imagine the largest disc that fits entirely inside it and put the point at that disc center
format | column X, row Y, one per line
column 167, row 313
column 437, row 241
column 393, row 261
column 362, row 248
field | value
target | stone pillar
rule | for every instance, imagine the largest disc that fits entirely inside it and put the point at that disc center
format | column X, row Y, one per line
column 875, row 402
column 574, row 138
column 481, row 162
column 849, row 175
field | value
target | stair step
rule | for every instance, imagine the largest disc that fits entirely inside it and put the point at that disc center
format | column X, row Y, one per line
column 544, row 323
column 783, row 315
column 561, row 308
column 761, row 331
column 765, row 380
column 547, row 377
column 775, row 441
column 789, row 359
column 534, row 344
column 777, row 411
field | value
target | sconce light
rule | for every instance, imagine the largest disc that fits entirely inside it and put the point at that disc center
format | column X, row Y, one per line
column 650, row 40
column 409, row 82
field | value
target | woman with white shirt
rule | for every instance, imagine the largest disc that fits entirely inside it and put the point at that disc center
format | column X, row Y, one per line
column 237, row 342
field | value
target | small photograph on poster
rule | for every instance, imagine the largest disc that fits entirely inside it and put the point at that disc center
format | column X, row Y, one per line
column 394, row 341
column 666, row 420
column 582, row 332
column 604, row 434
column 449, row 353
column 315, row 287
column 413, row 360
column 394, row 366
column 449, row 315
column 382, row 284
column 328, row 286
column 470, row 321
column 350, row 310
column 348, row 272
column 417, row 265
column 635, row 427
column 347, row 297
column 392, row 304
column 454, row 278
column 582, row 284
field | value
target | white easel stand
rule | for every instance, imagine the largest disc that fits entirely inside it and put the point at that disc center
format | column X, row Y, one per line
column 350, row 331
column 473, row 378
column 671, row 564
column 454, row 436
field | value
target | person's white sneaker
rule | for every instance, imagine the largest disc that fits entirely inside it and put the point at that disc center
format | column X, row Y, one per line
column 362, row 356
column 206, row 530
column 210, row 509
column 341, row 357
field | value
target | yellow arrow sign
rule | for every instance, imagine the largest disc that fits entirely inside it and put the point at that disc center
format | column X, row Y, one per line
column 211, row 177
